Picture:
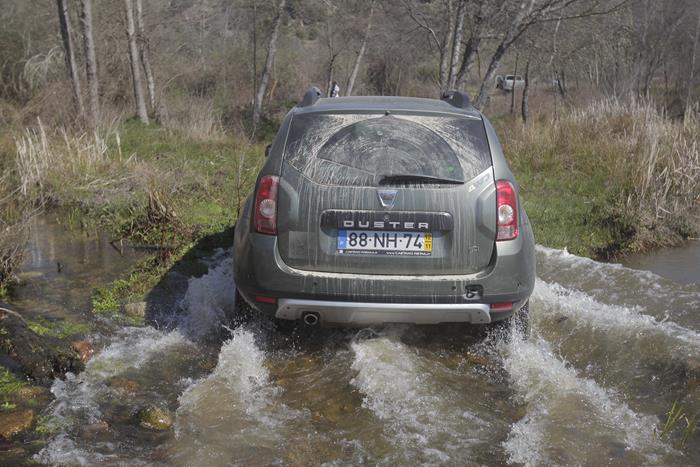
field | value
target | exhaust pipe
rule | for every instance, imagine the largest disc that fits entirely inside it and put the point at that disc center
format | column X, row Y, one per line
column 310, row 319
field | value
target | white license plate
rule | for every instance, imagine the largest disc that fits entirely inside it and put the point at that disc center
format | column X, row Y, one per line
column 385, row 243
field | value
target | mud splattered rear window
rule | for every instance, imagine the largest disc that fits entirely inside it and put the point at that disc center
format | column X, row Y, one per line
column 364, row 149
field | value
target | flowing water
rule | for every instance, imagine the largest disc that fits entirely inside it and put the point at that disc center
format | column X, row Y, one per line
column 609, row 351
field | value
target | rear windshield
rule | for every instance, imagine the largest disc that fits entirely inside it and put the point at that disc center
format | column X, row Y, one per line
column 364, row 149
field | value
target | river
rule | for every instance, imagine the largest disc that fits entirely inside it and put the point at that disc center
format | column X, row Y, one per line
column 609, row 351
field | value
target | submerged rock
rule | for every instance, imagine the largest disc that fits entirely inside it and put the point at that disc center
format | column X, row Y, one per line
column 124, row 386
column 84, row 349
column 94, row 429
column 478, row 360
column 154, row 418
column 12, row 423
column 136, row 309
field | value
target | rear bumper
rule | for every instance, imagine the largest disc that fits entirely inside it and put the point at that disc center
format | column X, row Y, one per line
column 372, row 298
column 363, row 313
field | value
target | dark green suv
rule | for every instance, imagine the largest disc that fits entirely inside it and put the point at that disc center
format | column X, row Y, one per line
column 385, row 210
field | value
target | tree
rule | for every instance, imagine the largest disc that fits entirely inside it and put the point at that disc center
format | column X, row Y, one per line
column 691, row 77
column 90, row 63
column 145, row 55
column 525, row 107
column 269, row 62
column 134, row 60
column 456, row 44
column 69, row 53
column 471, row 48
column 517, row 26
column 361, row 53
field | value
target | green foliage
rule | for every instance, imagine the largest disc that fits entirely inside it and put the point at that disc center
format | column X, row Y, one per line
column 7, row 405
column 46, row 425
column 108, row 300
column 58, row 328
column 9, row 383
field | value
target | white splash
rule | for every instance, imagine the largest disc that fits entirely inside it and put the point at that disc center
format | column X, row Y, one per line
column 567, row 410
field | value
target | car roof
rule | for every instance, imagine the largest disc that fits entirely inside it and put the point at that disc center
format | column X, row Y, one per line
column 360, row 104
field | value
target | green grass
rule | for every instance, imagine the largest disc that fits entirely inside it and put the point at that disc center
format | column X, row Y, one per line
column 571, row 210
column 201, row 183
column 59, row 328
column 46, row 425
column 9, row 383
column 108, row 299
column 570, row 186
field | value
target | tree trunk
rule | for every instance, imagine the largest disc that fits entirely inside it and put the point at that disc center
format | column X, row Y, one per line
column 561, row 84
column 90, row 64
column 516, row 28
column 69, row 52
column 691, row 78
column 269, row 61
column 446, row 48
column 144, row 48
column 254, row 58
column 331, row 64
column 524, row 109
column 134, row 60
column 471, row 50
column 456, row 44
column 331, row 56
column 361, row 53
column 512, row 91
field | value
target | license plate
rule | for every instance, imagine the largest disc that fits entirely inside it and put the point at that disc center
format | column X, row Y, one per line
column 374, row 242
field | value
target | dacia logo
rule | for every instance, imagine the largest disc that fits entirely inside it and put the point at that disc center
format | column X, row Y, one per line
column 387, row 198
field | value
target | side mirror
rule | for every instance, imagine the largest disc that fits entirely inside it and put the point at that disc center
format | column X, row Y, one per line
column 267, row 150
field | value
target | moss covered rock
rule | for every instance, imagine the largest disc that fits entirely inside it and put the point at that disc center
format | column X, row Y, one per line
column 14, row 422
column 154, row 418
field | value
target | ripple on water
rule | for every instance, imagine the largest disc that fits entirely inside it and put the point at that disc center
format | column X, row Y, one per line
column 234, row 413
column 424, row 416
column 573, row 420
column 614, row 284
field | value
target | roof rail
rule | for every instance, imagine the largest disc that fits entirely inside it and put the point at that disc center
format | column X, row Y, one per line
column 310, row 97
column 457, row 99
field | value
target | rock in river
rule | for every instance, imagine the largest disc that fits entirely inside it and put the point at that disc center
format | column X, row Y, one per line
column 15, row 422
column 84, row 349
column 154, row 418
column 42, row 358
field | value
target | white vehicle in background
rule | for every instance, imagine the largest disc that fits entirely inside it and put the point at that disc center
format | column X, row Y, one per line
column 509, row 82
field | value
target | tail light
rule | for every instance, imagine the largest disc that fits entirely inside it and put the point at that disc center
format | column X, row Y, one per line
column 506, row 202
column 266, row 205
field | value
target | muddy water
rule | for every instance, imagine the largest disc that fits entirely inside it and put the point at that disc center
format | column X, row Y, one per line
column 610, row 350
column 62, row 265
column 681, row 264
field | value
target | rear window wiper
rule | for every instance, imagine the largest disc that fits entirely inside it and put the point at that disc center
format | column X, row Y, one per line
column 409, row 178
